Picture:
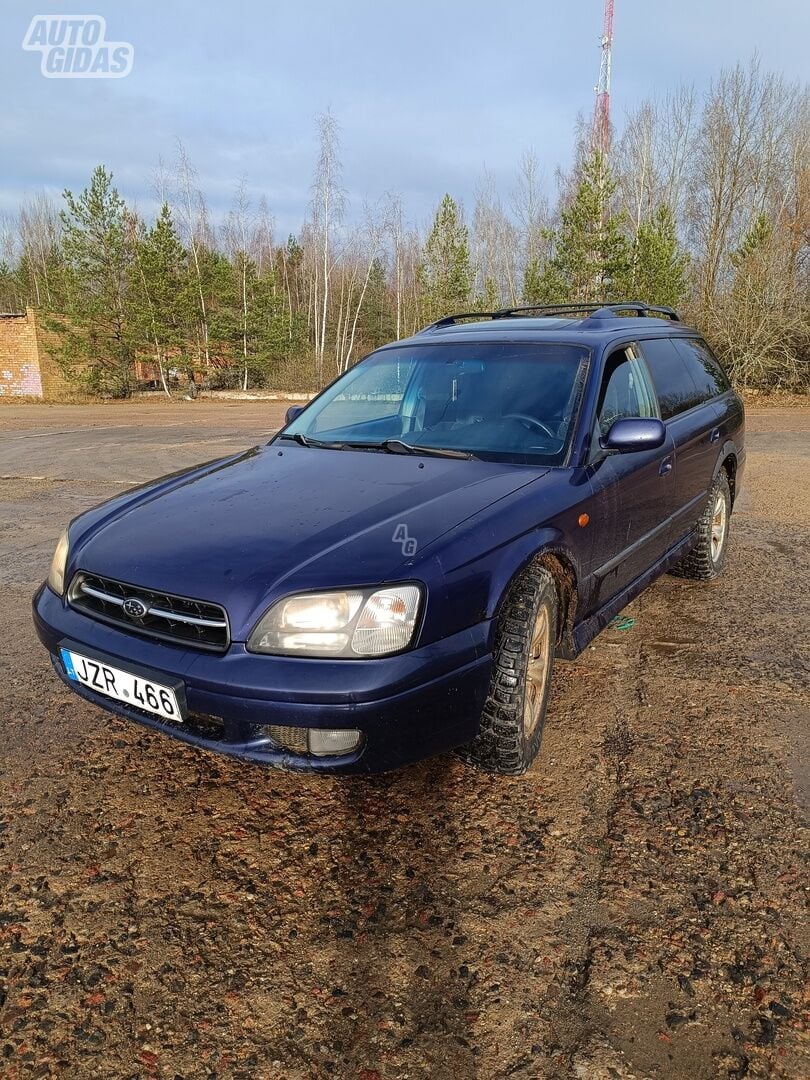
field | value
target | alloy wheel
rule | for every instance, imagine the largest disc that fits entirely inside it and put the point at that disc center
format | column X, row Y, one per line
column 718, row 526
column 537, row 672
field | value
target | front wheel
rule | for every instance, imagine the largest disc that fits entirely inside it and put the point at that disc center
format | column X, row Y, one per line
column 708, row 556
column 515, row 710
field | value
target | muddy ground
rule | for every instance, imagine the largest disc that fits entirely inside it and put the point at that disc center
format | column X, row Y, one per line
column 634, row 907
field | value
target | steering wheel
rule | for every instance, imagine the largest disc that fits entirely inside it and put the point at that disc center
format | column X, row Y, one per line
column 532, row 421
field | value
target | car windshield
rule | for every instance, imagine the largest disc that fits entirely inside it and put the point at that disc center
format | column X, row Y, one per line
column 500, row 401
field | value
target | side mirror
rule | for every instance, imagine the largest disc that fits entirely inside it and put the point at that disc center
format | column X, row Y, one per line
column 635, row 433
column 292, row 412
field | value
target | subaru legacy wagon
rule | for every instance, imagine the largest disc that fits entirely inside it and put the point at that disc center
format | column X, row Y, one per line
column 393, row 574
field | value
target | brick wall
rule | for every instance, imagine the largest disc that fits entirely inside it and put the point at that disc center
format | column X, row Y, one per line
column 27, row 366
column 19, row 357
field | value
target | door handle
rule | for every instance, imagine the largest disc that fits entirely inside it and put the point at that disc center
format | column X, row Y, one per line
column 715, row 435
column 665, row 467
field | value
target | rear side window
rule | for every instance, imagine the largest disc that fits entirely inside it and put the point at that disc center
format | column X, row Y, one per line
column 671, row 376
column 703, row 366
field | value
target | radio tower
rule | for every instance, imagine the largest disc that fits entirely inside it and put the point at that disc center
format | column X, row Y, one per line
column 601, row 114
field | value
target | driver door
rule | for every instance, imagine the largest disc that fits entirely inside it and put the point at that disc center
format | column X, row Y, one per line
column 634, row 492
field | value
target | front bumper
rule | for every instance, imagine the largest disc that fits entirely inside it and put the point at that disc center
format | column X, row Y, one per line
column 407, row 707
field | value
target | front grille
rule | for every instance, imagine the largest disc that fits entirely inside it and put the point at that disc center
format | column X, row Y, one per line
column 155, row 614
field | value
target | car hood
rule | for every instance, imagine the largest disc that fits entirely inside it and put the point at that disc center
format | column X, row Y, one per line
column 275, row 520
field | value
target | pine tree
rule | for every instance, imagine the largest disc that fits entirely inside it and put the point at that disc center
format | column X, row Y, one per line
column 542, row 283
column 591, row 252
column 224, row 304
column 488, row 299
column 445, row 274
column 250, row 321
column 164, row 304
column 753, row 243
column 658, row 274
column 270, row 326
column 98, row 333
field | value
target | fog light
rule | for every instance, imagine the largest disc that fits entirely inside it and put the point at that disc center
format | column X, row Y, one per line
column 325, row 741
column 322, row 742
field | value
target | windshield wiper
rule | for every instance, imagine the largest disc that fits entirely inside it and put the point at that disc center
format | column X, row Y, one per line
column 390, row 446
column 304, row 440
column 397, row 446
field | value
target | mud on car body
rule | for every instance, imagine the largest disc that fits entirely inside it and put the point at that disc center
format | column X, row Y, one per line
column 394, row 573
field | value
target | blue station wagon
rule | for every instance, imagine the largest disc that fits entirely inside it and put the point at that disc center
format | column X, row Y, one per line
column 394, row 573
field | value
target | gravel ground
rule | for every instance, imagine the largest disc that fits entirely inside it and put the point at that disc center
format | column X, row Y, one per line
column 634, row 907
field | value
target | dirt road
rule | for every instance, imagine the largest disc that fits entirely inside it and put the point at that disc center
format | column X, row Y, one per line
column 634, row 907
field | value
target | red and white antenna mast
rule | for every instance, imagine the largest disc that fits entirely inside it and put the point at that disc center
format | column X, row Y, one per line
column 601, row 115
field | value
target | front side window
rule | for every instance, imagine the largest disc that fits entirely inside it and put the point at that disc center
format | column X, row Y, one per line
column 674, row 384
column 626, row 390
column 502, row 401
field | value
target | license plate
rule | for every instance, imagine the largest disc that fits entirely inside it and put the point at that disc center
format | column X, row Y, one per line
column 122, row 685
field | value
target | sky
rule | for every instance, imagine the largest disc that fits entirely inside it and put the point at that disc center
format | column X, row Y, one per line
column 427, row 94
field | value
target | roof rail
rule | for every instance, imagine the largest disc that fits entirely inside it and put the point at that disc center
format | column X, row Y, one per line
column 610, row 311
column 594, row 311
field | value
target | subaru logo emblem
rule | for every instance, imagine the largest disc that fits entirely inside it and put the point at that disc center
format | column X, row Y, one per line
column 135, row 608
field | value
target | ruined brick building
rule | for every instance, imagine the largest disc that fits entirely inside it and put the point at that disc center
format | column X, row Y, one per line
column 27, row 368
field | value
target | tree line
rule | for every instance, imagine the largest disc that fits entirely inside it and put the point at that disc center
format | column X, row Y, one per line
column 702, row 203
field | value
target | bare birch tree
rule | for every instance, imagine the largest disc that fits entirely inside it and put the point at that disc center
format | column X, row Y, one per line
column 376, row 225
column 721, row 178
column 495, row 247
column 327, row 208
column 241, row 239
column 40, row 234
column 397, row 229
column 193, row 216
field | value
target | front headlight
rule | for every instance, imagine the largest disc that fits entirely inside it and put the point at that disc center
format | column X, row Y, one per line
column 56, row 574
column 347, row 623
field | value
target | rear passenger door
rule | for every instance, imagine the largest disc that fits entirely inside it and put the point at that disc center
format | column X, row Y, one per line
column 687, row 394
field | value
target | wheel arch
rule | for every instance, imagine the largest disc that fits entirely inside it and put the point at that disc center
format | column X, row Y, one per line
column 727, row 462
column 561, row 565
